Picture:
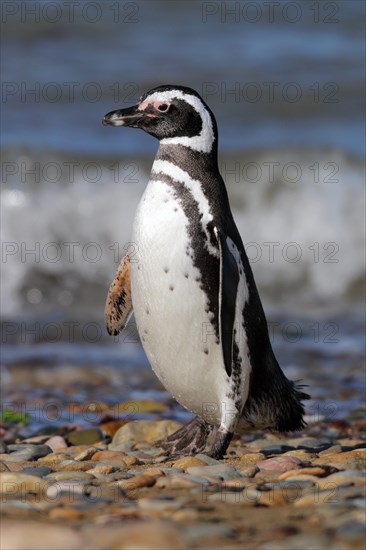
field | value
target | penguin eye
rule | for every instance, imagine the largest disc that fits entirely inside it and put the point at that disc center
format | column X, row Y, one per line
column 163, row 107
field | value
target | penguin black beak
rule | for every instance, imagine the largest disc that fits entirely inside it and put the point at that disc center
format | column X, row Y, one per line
column 124, row 117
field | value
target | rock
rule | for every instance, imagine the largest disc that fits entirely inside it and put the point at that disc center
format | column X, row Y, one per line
column 85, row 455
column 250, row 459
column 38, row 535
column 102, row 469
column 344, row 478
column 144, row 430
column 56, row 443
column 63, row 476
column 316, row 471
column 146, row 535
column 137, row 482
column 207, row 459
column 12, row 484
column 176, row 482
column 248, row 471
column 65, row 513
column 334, row 449
column 344, row 458
column 69, row 489
column 276, row 449
column 187, row 462
column 223, row 471
column 75, row 466
column 40, row 471
column 27, row 452
column 114, row 458
column 279, row 464
column 154, row 472
column 3, row 467
column 159, row 505
column 84, row 437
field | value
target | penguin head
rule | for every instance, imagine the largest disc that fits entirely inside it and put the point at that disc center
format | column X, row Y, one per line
column 175, row 115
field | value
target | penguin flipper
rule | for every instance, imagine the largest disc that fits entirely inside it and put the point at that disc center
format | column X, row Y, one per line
column 118, row 307
column 229, row 280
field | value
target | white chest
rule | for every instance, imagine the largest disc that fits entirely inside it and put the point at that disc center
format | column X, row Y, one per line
column 170, row 307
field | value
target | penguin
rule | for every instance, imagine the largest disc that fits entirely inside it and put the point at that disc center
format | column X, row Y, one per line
column 197, row 309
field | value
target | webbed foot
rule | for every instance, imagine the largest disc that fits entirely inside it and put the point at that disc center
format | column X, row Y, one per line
column 188, row 440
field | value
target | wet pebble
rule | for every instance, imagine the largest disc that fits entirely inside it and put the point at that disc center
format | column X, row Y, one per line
column 279, row 464
column 144, row 430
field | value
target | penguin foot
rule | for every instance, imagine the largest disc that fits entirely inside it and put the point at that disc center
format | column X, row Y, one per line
column 221, row 443
column 188, row 440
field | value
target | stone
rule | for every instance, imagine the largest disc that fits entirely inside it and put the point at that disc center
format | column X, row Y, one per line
column 176, row 482
column 84, row 437
column 279, row 464
column 223, row 471
column 344, row 478
column 159, row 505
column 358, row 455
column 315, row 471
column 187, row 461
column 56, row 443
column 144, row 430
column 154, row 472
column 67, row 475
column 65, row 513
column 27, row 452
column 12, row 484
column 40, row 471
column 36, row 535
column 251, row 458
column 137, row 482
column 276, row 449
column 85, row 455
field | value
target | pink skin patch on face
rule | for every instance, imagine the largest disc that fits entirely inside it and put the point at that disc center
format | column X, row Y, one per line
column 155, row 106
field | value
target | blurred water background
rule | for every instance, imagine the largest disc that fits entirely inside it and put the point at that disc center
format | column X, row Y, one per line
column 286, row 82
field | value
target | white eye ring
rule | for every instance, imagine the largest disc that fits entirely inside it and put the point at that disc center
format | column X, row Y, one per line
column 163, row 107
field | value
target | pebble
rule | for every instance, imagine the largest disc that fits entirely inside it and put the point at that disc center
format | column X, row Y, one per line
column 315, row 471
column 188, row 461
column 276, row 449
column 279, row 464
column 65, row 513
column 137, row 482
column 56, row 443
column 85, row 455
column 13, row 484
column 67, row 475
column 344, row 478
column 27, row 452
column 144, row 430
column 251, row 458
column 177, row 482
column 223, row 471
column 159, row 504
column 40, row 471
column 84, row 437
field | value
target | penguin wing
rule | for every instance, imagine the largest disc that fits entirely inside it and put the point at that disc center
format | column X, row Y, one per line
column 118, row 307
column 229, row 280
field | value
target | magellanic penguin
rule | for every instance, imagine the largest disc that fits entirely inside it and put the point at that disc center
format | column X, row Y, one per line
column 197, row 308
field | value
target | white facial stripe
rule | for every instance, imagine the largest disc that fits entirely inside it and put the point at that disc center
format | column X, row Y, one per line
column 203, row 142
column 177, row 174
